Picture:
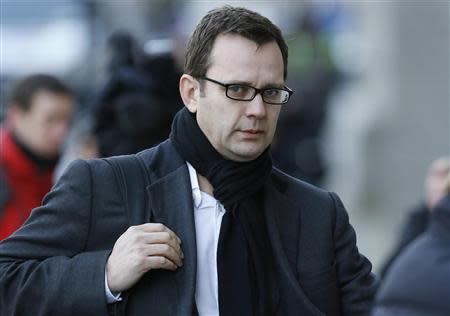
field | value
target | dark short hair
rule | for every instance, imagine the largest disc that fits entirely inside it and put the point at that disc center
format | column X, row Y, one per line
column 229, row 20
column 24, row 90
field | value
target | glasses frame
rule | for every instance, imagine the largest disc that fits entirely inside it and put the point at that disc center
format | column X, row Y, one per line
column 257, row 91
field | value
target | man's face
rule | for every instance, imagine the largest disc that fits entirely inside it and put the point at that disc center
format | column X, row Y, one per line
column 44, row 126
column 436, row 181
column 240, row 130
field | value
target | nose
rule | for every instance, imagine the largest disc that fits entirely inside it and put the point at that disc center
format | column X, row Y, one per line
column 256, row 108
column 59, row 131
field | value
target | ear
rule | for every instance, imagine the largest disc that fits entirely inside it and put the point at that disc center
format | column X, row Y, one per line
column 190, row 92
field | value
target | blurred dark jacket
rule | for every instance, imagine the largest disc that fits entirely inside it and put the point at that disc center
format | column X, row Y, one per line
column 313, row 75
column 416, row 223
column 418, row 282
column 135, row 107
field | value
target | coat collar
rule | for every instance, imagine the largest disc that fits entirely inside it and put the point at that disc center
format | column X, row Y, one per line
column 170, row 203
column 283, row 231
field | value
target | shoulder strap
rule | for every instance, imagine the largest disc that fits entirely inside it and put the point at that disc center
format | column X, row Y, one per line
column 133, row 178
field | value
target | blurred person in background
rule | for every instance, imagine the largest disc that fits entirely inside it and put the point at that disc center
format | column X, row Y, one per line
column 201, row 224
column 313, row 75
column 418, row 281
column 80, row 143
column 37, row 120
column 418, row 218
column 135, row 107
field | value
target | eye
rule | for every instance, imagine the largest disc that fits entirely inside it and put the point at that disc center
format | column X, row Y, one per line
column 272, row 93
column 237, row 90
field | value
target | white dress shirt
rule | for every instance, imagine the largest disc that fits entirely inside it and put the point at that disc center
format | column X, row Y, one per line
column 208, row 213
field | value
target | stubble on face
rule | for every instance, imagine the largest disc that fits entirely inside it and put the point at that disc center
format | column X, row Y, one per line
column 240, row 130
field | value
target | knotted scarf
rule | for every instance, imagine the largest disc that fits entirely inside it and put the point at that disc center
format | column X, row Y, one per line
column 245, row 268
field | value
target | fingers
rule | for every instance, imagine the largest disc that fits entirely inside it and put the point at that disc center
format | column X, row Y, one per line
column 166, row 251
column 140, row 249
column 158, row 227
column 157, row 234
column 160, row 238
column 157, row 240
column 159, row 262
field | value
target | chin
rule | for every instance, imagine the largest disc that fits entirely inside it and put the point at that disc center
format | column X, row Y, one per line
column 51, row 154
column 247, row 154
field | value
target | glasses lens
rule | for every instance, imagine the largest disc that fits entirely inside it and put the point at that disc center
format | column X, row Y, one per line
column 276, row 96
column 240, row 92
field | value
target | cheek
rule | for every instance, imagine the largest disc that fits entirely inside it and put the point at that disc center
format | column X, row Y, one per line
column 273, row 118
column 210, row 124
column 43, row 136
column 46, row 133
column 213, row 120
column 36, row 130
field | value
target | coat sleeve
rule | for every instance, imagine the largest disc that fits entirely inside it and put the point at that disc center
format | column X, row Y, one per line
column 356, row 281
column 44, row 268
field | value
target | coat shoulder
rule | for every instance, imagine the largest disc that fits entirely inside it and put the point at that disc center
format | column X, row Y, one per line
column 316, row 209
column 153, row 158
column 298, row 191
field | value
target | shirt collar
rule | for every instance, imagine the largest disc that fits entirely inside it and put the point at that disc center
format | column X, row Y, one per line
column 196, row 194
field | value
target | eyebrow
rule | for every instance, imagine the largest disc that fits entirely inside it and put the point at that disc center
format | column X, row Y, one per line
column 266, row 86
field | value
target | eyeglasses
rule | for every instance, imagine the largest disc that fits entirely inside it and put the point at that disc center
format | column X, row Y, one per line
column 242, row 92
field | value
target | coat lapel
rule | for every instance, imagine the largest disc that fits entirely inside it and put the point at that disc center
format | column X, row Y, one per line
column 170, row 202
column 284, row 234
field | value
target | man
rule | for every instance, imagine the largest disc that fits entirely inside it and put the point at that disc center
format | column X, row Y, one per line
column 417, row 220
column 220, row 231
column 418, row 282
column 134, row 109
column 37, row 121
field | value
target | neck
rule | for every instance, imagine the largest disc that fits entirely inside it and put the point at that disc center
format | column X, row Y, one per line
column 41, row 162
column 205, row 185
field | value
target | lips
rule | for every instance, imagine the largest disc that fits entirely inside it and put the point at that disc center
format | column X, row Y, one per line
column 252, row 131
column 251, row 134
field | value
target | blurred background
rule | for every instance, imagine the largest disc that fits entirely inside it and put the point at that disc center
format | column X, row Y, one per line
column 371, row 79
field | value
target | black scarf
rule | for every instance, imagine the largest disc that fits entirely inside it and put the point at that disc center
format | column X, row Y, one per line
column 244, row 257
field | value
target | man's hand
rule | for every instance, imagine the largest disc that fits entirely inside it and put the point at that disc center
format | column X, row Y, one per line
column 140, row 249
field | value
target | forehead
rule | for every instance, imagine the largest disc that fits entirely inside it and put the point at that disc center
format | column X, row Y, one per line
column 234, row 57
column 47, row 103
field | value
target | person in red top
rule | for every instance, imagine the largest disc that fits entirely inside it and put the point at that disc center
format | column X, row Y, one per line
column 37, row 120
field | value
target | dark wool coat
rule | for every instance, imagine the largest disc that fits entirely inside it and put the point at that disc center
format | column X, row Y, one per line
column 55, row 264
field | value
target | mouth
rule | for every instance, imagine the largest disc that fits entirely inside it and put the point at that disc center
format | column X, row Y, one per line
column 251, row 134
column 252, row 131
